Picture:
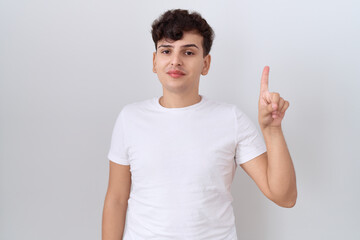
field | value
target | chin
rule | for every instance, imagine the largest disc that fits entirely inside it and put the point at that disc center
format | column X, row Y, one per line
column 175, row 87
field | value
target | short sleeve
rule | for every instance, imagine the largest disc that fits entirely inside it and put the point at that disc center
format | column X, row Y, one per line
column 118, row 151
column 249, row 141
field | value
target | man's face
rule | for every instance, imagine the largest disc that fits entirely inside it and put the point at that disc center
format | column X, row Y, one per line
column 179, row 64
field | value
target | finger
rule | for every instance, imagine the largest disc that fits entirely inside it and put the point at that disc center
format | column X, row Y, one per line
column 275, row 98
column 269, row 109
column 266, row 96
column 281, row 104
column 271, row 112
column 264, row 86
column 286, row 105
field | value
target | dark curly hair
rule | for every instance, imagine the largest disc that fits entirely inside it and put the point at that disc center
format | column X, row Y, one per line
column 173, row 23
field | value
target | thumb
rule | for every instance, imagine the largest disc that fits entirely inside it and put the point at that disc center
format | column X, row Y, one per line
column 270, row 108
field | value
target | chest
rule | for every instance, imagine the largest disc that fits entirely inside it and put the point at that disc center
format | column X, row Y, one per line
column 182, row 151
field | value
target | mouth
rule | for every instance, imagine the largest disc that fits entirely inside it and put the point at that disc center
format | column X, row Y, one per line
column 176, row 73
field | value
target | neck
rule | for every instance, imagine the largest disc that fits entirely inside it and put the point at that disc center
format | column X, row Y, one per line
column 175, row 101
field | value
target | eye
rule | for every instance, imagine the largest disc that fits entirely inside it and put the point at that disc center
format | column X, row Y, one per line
column 165, row 51
column 189, row 53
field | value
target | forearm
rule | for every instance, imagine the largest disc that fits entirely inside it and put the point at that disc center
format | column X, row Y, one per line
column 113, row 221
column 280, row 171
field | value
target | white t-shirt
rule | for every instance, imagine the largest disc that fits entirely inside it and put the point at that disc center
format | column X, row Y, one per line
column 182, row 163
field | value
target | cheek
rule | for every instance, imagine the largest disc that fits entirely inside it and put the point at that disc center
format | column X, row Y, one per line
column 199, row 67
column 160, row 63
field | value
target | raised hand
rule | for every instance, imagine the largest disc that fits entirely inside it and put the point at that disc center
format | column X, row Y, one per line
column 272, row 107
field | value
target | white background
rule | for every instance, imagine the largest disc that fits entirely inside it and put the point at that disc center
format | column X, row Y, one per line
column 68, row 67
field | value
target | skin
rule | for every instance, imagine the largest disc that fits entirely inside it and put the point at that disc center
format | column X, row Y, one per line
column 180, row 55
column 116, row 201
column 273, row 171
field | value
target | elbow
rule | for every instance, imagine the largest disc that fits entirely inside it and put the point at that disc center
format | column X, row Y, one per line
column 286, row 204
column 289, row 202
column 292, row 202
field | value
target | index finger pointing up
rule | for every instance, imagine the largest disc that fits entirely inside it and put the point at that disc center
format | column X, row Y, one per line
column 264, row 87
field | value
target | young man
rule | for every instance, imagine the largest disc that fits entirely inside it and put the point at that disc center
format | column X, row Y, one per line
column 178, row 152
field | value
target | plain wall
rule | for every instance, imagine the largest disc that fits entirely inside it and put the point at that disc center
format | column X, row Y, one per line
column 68, row 67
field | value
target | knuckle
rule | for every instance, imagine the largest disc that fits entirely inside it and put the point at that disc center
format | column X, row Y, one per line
column 276, row 96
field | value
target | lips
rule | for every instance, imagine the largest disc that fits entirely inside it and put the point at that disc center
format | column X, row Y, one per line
column 176, row 73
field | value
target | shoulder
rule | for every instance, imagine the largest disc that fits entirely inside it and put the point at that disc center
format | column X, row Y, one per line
column 134, row 108
column 222, row 105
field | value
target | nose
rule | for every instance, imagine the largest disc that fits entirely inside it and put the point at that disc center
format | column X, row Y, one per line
column 176, row 59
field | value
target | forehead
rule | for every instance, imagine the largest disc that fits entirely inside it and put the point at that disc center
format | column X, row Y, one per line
column 187, row 38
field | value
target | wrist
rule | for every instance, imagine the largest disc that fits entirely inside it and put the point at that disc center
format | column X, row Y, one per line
column 271, row 130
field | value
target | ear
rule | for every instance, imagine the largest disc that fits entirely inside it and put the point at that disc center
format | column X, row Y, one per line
column 154, row 62
column 207, row 60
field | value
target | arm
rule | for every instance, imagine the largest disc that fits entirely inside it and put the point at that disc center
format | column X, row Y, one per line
column 115, row 205
column 273, row 171
column 280, row 170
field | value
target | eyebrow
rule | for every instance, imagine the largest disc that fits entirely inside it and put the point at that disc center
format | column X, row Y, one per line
column 183, row 46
